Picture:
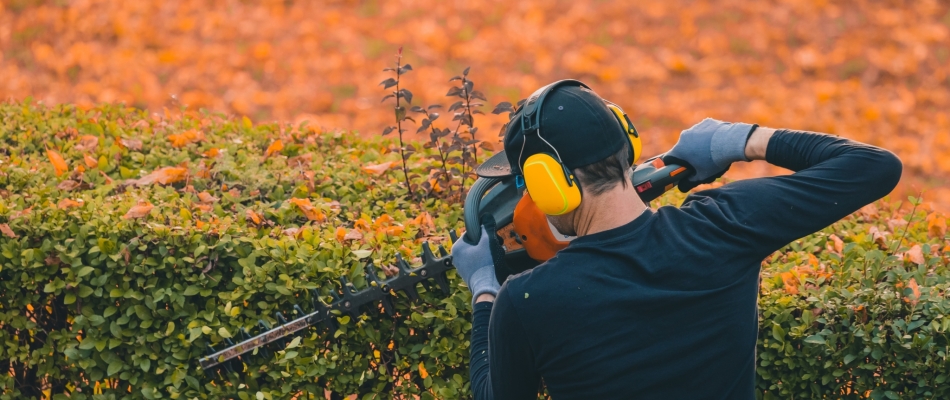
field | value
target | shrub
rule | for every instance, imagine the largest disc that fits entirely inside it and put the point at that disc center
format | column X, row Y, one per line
column 129, row 243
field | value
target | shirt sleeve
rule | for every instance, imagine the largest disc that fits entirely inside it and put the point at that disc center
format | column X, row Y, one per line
column 513, row 372
column 834, row 177
column 478, row 359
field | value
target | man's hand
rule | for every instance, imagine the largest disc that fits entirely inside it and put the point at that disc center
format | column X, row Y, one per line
column 709, row 147
column 474, row 264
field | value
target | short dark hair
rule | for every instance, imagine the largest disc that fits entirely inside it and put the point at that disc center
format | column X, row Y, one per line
column 603, row 175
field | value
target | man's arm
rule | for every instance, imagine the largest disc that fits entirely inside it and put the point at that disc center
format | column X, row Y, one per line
column 834, row 177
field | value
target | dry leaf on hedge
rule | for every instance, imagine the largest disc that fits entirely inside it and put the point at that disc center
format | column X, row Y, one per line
column 253, row 216
column 139, row 210
column 915, row 255
column 869, row 211
column 301, row 161
column 353, row 234
column 164, row 176
column 878, row 238
column 68, row 203
column 59, row 164
column 377, row 169
column 422, row 371
column 90, row 161
column 67, row 185
column 915, row 292
column 274, row 148
column 311, row 212
column 7, row 231
column 340, row 233
column 838, row 244
column 182, row 139
column 211, row 153
column 131, row 144
column 87, row 143
column 22, row 213
column 206, row 197
column 936, row 225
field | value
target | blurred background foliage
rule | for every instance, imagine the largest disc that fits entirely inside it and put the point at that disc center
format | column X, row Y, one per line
column 872, row 71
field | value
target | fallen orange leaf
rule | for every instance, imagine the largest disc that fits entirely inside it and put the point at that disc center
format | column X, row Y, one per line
column 7, row 231
column 68, row 203
column 353, row 234
column 936, row 225
column 915, row 292
column 90, row 161
column 255, row 217
column 915, row 255
column 206, row 197
column 377, row 169
column 186, row 137
column 422, row 371
column 340, row 233
column 308, row 210
column 164, row 176
column 211, row 153
column 838, row 243
column 139, row 210
column 59, row 164
column 274, row 148
column 87, row 143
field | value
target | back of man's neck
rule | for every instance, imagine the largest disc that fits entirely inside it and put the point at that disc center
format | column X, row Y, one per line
column 609, row 210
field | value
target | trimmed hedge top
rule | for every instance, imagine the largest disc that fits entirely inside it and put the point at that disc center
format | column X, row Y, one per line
column 129, row 243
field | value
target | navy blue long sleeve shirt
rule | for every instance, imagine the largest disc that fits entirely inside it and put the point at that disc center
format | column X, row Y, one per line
column 664, row 307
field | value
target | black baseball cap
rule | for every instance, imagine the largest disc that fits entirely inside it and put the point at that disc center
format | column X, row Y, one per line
column 574, row 120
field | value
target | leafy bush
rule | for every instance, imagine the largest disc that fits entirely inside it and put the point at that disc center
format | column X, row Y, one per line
column 130, row 242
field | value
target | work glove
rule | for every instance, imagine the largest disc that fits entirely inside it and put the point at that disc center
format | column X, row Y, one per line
column 474, row 264
column 709, row 148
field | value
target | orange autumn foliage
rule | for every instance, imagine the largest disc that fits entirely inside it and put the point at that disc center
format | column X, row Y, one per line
column 274, row 147
column 186, row 137
column 139, row 210
column 59, row 164
column 875, row 72
column 377, row 169
column 164, row 176
column 308, row 210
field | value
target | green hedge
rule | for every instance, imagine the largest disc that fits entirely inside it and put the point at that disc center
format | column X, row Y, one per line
column 97, row 301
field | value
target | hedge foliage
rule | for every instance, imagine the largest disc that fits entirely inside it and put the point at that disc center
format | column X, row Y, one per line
column 131, row 242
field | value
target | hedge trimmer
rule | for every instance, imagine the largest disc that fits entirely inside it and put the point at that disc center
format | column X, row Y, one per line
column 496, row 199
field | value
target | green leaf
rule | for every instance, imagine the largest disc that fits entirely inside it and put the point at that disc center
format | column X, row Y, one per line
column 192, row 290
column 84, row 271
column 114, row 367
column 294, row 343
column 70, row 298
column 849, row 358
column 361, row 254
column 170, row 329
column 223, row 332
column 145, row 364
column 778, row 333
column 815, row 339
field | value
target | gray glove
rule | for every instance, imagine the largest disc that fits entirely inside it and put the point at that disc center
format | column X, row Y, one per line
column 709, row 147
column 474, row 265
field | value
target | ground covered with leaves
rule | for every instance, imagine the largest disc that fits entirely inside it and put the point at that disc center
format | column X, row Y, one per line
column 130, row 242
column 875, row 71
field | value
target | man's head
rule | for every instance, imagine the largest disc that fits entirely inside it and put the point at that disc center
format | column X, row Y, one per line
column 577, row 129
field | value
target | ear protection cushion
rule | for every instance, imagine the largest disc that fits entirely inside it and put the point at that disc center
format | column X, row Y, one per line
column 554, row 190
column 636, row 146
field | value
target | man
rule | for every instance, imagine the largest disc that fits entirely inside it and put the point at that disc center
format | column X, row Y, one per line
column 654, row 304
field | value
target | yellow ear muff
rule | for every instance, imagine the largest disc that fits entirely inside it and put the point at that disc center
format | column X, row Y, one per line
column 548, row 187
column 636, row 146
